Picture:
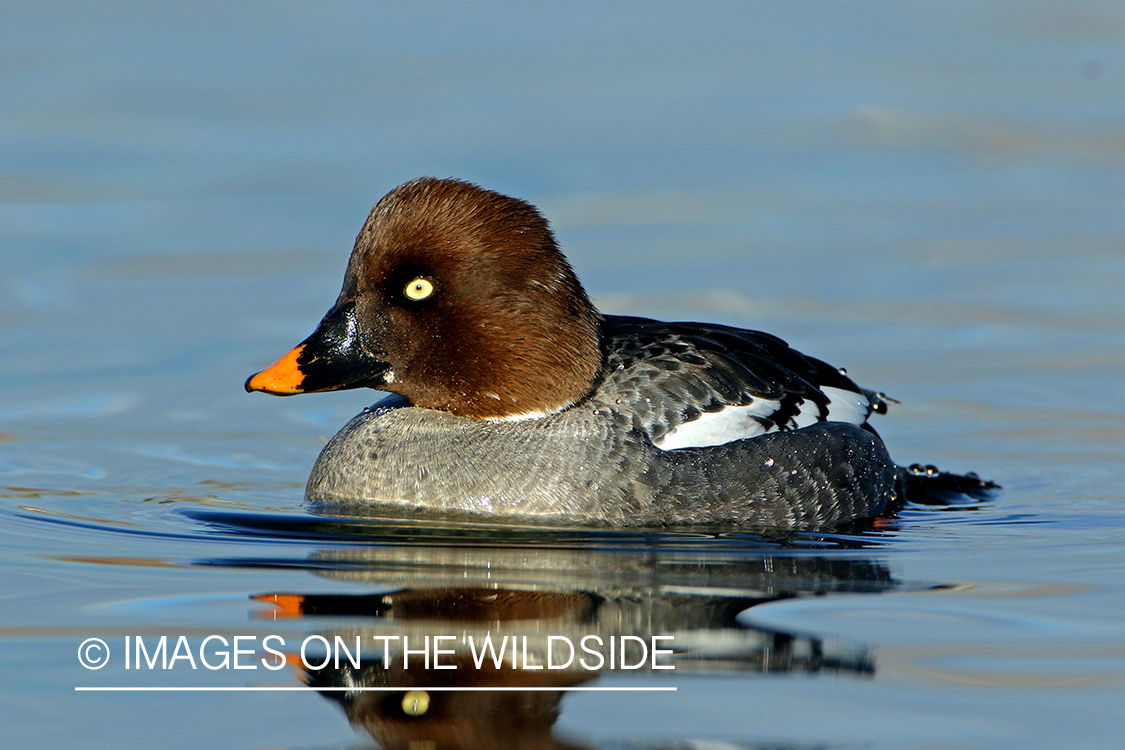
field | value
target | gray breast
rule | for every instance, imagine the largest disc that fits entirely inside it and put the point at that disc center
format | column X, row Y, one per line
column 589, row 466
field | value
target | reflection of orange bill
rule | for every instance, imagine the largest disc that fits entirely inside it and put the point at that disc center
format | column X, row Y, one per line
column 288, row 605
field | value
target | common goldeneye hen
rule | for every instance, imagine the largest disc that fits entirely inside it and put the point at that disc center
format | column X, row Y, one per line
column 520, row 403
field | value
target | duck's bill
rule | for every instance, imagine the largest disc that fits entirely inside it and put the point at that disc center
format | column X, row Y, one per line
column 329, row 360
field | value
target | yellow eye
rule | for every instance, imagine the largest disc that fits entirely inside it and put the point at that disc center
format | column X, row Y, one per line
column 416, row 702
column 419, row 289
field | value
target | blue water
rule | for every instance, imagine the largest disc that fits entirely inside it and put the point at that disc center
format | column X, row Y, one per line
column 927, row 194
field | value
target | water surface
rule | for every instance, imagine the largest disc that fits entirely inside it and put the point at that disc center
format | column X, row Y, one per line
column 929, row 195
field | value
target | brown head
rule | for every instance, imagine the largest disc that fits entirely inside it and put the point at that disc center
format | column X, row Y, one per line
column 457, row 298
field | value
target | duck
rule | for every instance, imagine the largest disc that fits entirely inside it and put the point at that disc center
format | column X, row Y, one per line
column 513, row 401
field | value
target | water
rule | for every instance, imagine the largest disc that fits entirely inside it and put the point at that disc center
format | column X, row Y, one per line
column 930, row 195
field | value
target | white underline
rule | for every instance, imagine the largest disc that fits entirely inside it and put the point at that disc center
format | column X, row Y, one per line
column 296, row 688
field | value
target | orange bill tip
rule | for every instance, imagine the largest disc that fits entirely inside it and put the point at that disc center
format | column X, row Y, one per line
column 282, row 378
column 289, row 605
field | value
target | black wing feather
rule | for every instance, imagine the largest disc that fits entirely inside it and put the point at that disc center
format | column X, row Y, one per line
column 670, row 373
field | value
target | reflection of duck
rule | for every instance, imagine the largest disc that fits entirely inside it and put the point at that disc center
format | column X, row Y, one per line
column 452, row 720
column 696, row 596
column 577, row 636
column 525, row 404
column 378, row 580
column 473, row 593
column 498, row 705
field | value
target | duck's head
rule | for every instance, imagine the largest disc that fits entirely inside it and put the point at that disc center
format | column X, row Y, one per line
column 458, row 299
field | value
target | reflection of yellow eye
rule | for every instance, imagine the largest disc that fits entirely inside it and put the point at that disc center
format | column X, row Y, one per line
column 419, row 289
column 416, row 702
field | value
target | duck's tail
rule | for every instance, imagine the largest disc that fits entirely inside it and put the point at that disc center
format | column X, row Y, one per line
column 927, row 485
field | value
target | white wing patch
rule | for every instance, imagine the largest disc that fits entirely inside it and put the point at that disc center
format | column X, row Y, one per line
column 740, row 422
column 719, row 427
column 846, row 406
